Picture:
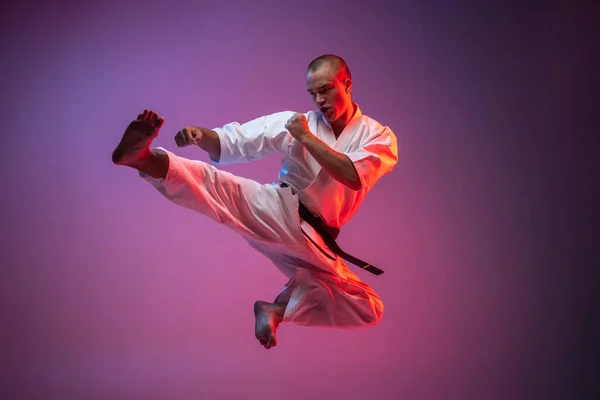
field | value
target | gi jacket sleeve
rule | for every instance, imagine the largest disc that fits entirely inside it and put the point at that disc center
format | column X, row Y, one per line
column 254, row 139
column 375, row 158
column 336, row 203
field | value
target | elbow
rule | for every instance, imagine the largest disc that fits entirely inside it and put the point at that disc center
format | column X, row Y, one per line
column 352, row 179
column 348, row 175
column 357, row 186
column 354, row 183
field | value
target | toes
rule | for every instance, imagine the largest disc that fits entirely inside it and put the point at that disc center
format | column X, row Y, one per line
column 157, row 120
column 271, row 342
column 267, row 341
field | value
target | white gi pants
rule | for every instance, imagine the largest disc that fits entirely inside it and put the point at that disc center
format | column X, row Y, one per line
column 321, row 291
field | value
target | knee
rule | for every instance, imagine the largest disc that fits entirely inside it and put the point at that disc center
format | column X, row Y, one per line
column 379, row 315
column 376, row 315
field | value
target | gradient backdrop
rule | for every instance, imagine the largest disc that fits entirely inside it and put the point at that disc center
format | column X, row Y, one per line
column 108, row 291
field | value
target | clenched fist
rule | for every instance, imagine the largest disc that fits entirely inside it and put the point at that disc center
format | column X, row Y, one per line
column 189, row 135
column 297, row 125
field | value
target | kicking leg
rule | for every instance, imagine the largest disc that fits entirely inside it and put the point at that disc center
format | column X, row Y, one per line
column 134, row 149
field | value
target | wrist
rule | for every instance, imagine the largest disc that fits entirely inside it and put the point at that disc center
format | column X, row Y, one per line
column 305, row 137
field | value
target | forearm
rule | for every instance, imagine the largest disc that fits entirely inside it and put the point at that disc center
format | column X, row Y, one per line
column 210, row 143
column 337, row 164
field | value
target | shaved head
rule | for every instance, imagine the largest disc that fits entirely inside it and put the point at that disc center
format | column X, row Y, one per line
column 338, row 62
column 329, row 83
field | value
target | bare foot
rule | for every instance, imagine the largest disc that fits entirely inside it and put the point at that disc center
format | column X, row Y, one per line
column 268, row 316
column 135, row 143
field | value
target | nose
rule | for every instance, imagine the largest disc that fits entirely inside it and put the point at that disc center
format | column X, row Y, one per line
column 320, row 100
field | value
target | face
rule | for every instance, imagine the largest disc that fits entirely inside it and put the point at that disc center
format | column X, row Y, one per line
column 330, row 92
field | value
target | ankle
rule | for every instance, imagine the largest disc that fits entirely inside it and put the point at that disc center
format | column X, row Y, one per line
column 154, row 162
column 280, row 310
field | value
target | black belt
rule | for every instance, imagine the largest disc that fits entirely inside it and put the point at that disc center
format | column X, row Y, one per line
column 329, row 234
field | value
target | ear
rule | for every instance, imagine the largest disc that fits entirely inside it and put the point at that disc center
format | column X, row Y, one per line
column 348, row 85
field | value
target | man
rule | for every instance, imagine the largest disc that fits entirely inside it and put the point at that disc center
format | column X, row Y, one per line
column 332, row 158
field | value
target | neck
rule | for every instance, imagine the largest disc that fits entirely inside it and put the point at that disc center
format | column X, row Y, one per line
column 339, row 124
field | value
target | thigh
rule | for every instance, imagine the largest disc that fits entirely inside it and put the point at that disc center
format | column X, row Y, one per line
column 260, row 212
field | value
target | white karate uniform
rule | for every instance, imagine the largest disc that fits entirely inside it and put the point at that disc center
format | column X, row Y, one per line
column 322, row 290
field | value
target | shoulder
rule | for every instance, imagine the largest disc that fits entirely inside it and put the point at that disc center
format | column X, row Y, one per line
column 310, row 115
column 276, row 116
column 283, row 114
column 282, row 117
column 376, row 129
column 273, row 121
column 287, row 114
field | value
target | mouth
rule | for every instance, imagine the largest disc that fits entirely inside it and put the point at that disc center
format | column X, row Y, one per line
column 325, row 111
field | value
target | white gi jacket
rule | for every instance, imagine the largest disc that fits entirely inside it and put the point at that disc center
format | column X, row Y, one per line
column 369, row 145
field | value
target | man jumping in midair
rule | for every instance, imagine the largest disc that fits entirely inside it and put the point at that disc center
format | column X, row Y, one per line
column 332, row 157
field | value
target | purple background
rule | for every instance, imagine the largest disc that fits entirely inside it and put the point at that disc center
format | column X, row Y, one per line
column 109, row 291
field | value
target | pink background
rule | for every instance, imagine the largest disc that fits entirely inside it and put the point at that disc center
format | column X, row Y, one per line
column 110, row 292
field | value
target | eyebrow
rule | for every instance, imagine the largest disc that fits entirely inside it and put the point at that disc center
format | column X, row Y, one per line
column 322, row 86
